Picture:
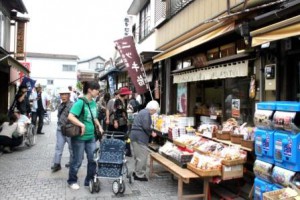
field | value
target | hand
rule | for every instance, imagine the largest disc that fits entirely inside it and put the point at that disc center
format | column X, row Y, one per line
column 153, row 134
column 82, row 130
column 107, row 121
column 116, row 125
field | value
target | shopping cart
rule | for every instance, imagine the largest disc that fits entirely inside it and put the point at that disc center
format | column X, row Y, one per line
column 111, row 163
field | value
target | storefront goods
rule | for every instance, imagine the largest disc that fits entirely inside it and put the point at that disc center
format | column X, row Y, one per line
column 263, row 170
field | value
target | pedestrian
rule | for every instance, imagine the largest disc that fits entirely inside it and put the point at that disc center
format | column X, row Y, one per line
column 73, row 94
column 102, row 103
column 39, row 101
column 86, row 141
column 61, row 140
column 139, row 136
column 10, row 135
column 110, row 111
column 120, row 118
column 22, row 101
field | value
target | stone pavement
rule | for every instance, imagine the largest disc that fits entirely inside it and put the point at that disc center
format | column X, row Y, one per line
column 25, row 175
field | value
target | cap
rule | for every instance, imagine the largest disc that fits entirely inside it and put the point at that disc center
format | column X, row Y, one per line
column 38, row 85
column 124, row 91
column 64, row 91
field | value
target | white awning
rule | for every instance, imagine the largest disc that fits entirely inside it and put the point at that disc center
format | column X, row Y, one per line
column 228, row 70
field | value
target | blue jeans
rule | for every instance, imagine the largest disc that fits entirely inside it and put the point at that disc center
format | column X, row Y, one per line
column 78, row 147
column 59, row 147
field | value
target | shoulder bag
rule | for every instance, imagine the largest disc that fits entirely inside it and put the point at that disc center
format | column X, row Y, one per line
column 71, row 130
column 98, row 134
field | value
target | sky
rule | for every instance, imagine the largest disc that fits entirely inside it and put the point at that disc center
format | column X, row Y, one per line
column 86, row 28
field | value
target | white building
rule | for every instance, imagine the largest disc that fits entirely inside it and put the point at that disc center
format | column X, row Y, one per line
column 53, row 71
column 93, row 64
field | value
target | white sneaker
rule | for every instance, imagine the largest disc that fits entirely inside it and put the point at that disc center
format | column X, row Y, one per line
column 74, row 186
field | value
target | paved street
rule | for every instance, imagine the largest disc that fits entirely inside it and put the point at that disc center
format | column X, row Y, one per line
column 25, row 174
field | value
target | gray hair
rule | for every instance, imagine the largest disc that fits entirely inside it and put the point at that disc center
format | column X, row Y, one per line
column 153, row 105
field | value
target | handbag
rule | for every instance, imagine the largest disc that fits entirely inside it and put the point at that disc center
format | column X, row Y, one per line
column 70, row 130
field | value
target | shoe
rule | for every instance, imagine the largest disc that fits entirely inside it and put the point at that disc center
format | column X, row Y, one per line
column 41, row 133
column 7, row 150
column 56, row 167
column 138, row 178
column 74, row 186
column 67, row 165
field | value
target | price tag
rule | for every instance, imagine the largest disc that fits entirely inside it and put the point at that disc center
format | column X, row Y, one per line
column 213, row 117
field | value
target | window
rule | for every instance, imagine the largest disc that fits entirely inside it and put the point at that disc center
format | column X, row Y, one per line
column 145, row 22
column 50, row 82
column 177, row 5
column 4, row 31
column 69, row 68
column 99, row 65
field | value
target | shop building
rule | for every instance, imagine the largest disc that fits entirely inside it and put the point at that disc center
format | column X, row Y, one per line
column 12, row 48
column 209, row 65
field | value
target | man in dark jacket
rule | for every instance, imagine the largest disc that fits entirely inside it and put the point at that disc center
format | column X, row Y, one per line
column 22, row 101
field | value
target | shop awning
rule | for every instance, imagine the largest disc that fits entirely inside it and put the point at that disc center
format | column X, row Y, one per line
column 9, row 61
column 222, row 71
column 206, row 36
column 104, row 74
column 284, row 29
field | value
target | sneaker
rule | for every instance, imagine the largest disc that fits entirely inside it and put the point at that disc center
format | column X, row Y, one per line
column 56, row 167
column 67, row 165
column 7, row 150
column 74, row 186
column 41, row 133
column 139, row 179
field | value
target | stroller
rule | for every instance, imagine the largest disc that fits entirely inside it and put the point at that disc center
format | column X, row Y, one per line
column 111, row 163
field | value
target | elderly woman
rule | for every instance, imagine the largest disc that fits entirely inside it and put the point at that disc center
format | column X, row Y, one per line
column 140, row 133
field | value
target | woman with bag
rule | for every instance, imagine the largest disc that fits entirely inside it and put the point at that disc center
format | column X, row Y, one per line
column 120, row 115
column 86, row 140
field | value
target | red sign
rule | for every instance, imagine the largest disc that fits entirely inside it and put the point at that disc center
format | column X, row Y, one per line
column 27, row 66
column 132, row 61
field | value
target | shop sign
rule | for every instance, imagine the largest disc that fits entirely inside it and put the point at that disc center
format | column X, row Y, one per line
column 230, row 70
column 20, row 41
column 132, row 61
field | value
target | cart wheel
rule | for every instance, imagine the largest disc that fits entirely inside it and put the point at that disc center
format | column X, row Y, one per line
column 97, row 186
column 122, row 188
column 116, row 187
column 91, row 186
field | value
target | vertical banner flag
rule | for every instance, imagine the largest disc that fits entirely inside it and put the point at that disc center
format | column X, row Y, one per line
column 29, row 83
column 132, row 61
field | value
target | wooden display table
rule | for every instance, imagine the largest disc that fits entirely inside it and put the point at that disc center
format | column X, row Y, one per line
column 183, row 175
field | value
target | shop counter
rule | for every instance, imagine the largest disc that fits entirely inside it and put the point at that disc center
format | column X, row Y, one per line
column 183, row 175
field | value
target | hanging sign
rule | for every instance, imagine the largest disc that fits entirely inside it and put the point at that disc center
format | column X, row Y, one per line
column 132, row 61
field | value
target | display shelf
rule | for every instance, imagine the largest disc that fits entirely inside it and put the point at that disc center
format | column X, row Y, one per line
column 228, row 142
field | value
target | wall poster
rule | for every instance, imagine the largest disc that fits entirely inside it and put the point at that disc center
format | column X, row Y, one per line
column 182, row 98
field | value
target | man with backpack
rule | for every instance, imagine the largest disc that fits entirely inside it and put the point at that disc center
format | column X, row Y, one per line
column 62, row 118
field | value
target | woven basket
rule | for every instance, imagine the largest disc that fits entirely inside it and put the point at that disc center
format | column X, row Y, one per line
column 180, row 144
column 248, row 144
column 233, row 162
column 204, row 173
column 236, row 139
column 224, row 135
column 274, row 195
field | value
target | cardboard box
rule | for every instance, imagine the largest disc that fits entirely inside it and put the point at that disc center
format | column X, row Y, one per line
column 231, row 172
